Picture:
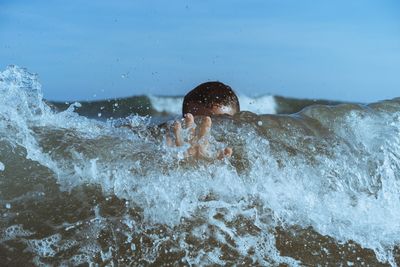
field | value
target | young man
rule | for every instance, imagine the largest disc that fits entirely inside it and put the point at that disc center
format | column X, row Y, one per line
column 207, row 99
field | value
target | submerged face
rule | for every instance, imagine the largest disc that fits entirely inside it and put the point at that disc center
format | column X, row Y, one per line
column 200, row 110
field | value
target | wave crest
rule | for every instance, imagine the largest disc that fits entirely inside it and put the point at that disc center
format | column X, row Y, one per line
column 84, row 191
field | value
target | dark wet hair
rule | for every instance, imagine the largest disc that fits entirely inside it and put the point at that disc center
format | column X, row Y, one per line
column 211, row 94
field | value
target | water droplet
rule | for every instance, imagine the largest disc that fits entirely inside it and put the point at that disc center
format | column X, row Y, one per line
column 125, row 75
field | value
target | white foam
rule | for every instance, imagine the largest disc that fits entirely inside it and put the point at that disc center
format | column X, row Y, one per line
column 45, row 247
column 2, row 167
column 172, row 105
column 350, row 193
column 15, row 231
column 259, row 105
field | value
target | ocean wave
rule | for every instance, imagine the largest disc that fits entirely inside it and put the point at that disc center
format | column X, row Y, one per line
column 173, row 105
column 317, row 187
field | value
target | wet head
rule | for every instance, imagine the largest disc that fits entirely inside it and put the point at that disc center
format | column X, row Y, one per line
column 211, row 98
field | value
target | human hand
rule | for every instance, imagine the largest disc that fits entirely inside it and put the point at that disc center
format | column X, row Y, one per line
column 196, row 138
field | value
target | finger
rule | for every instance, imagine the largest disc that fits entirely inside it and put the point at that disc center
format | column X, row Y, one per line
column 189, row 124
column 193, row 152
column 189, row 120
column 205, row 127
column 178, row 133
column 168, row 138
column 226, row 153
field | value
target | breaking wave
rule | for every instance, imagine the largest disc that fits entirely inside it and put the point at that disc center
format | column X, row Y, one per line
column 319, row 187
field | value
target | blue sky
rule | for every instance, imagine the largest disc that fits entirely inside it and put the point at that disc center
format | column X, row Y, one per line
column 83, row 50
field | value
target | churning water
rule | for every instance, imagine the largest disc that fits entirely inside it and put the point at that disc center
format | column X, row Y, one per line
column 320, row 187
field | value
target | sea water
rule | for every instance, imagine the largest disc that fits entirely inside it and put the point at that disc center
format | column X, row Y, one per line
column 319, row 187
column 173, row 105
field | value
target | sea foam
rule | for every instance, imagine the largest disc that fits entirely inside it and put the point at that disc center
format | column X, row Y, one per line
column 334, row 170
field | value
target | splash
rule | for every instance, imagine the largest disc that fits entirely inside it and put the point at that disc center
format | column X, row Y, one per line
column 84, row 191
